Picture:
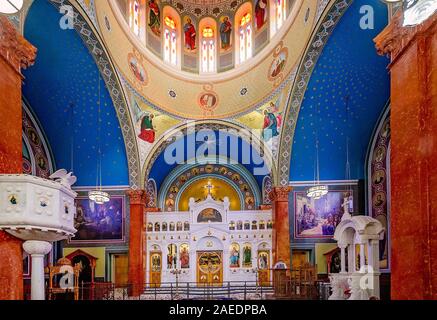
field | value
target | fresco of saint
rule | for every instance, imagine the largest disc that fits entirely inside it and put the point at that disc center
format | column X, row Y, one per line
column 272, row 123
column 225, row 33
column 147, row 130
column 190, row 35
column 260, row 13
column 154, row 18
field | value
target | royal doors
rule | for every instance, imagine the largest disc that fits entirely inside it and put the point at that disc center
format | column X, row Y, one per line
column 155, row 269
column 210, row 268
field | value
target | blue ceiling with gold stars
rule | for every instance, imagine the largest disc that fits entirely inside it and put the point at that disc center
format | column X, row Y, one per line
column 65, row 74
column 220, row 146
column 348, row 66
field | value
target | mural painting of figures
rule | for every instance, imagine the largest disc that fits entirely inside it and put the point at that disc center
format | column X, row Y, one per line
column 272, row 122
column 99, row 223
column 190, row 35
column 225, row 33
column 185, row 256
column 319, row 218
column 147, row 130
column 235, row 256
column 260, row 13
column 154, row 17
column 247, row 256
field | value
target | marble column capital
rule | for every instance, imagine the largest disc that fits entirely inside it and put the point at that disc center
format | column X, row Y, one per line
column 37, row 247
column 281, row 193
column 16, row 50
column 137, row 197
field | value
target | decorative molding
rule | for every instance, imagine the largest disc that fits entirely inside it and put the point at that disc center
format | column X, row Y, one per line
column 281, row 194
column 301, row 81
column 14, row 49
column 395, row 37
column 137, row 197
column 109, row 75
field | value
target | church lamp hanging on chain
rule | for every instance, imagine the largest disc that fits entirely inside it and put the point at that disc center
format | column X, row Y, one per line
column 98, row 195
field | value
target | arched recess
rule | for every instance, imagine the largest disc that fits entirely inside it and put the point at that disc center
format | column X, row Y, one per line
column 314, row 49
column 37, row 155
column 378, row 183
column 235, row 175
column 216, row 125
column 91, row 39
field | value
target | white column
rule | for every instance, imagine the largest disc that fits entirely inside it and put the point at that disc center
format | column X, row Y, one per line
column 351, row 258
column 374, row 254
column 37, row 251
column 362, row 255
column 343, row 258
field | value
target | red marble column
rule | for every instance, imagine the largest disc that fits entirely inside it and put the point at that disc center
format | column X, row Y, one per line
column 15, row 53
column 281, row 228
column 413, row 222
column 137, row 241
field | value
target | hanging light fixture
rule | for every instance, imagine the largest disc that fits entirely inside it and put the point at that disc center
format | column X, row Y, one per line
column 98, row 195
column 318, row 190
column 10, row 6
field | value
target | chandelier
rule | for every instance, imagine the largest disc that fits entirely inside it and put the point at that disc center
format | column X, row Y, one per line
column 98, row 195
column 317, row 191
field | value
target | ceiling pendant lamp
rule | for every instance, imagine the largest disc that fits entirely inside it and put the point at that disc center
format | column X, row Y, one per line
column 98, row 195
column 318, row 190
column 10, row 6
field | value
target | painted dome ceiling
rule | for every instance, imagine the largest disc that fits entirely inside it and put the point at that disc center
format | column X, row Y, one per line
column 235, row 55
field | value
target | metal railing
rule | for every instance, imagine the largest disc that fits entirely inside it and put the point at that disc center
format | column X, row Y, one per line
column 232, row 290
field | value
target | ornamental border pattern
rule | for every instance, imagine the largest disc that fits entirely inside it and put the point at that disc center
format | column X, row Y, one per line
column 306, row 69
column 109, row 75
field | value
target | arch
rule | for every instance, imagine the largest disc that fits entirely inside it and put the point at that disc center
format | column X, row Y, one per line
column 243, row 31
column 208, row 45
column 312, row 54
column 171, row 36
column 193, row 127
column 91, row 39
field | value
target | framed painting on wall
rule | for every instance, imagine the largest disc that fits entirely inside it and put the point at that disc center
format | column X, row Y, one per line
column 99, row 223
column 319, row 218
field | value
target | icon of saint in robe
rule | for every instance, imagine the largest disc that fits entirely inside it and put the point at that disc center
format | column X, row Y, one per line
column 154, row 18
column 225, row 33
column 147, row 130
column 190, row 35
column 260, row 13
column 271, row 125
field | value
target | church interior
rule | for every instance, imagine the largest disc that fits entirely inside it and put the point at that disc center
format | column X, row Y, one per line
column 218, row 149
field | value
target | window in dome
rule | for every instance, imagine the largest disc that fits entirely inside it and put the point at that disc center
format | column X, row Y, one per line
column 134, row 16
column 170, row 41
column 245, row 37
column 208, row 63
column 280, row 7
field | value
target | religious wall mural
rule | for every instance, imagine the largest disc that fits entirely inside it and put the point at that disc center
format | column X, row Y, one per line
column 137, row 69
column 278, row 63
column 97, row 223
column 225, row 33
column 154, row 17
column 261, row 13
column 319, row 218
column 379, row 182
column 190, row 35
column 209, row 215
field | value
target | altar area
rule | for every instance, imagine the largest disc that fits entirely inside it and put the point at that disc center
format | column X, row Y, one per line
column 209, row 245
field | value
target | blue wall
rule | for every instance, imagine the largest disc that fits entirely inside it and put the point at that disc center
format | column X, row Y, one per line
column 66, row 73
column 350, row 66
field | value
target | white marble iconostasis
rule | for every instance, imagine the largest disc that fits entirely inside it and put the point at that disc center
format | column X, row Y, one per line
column 227, row 230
